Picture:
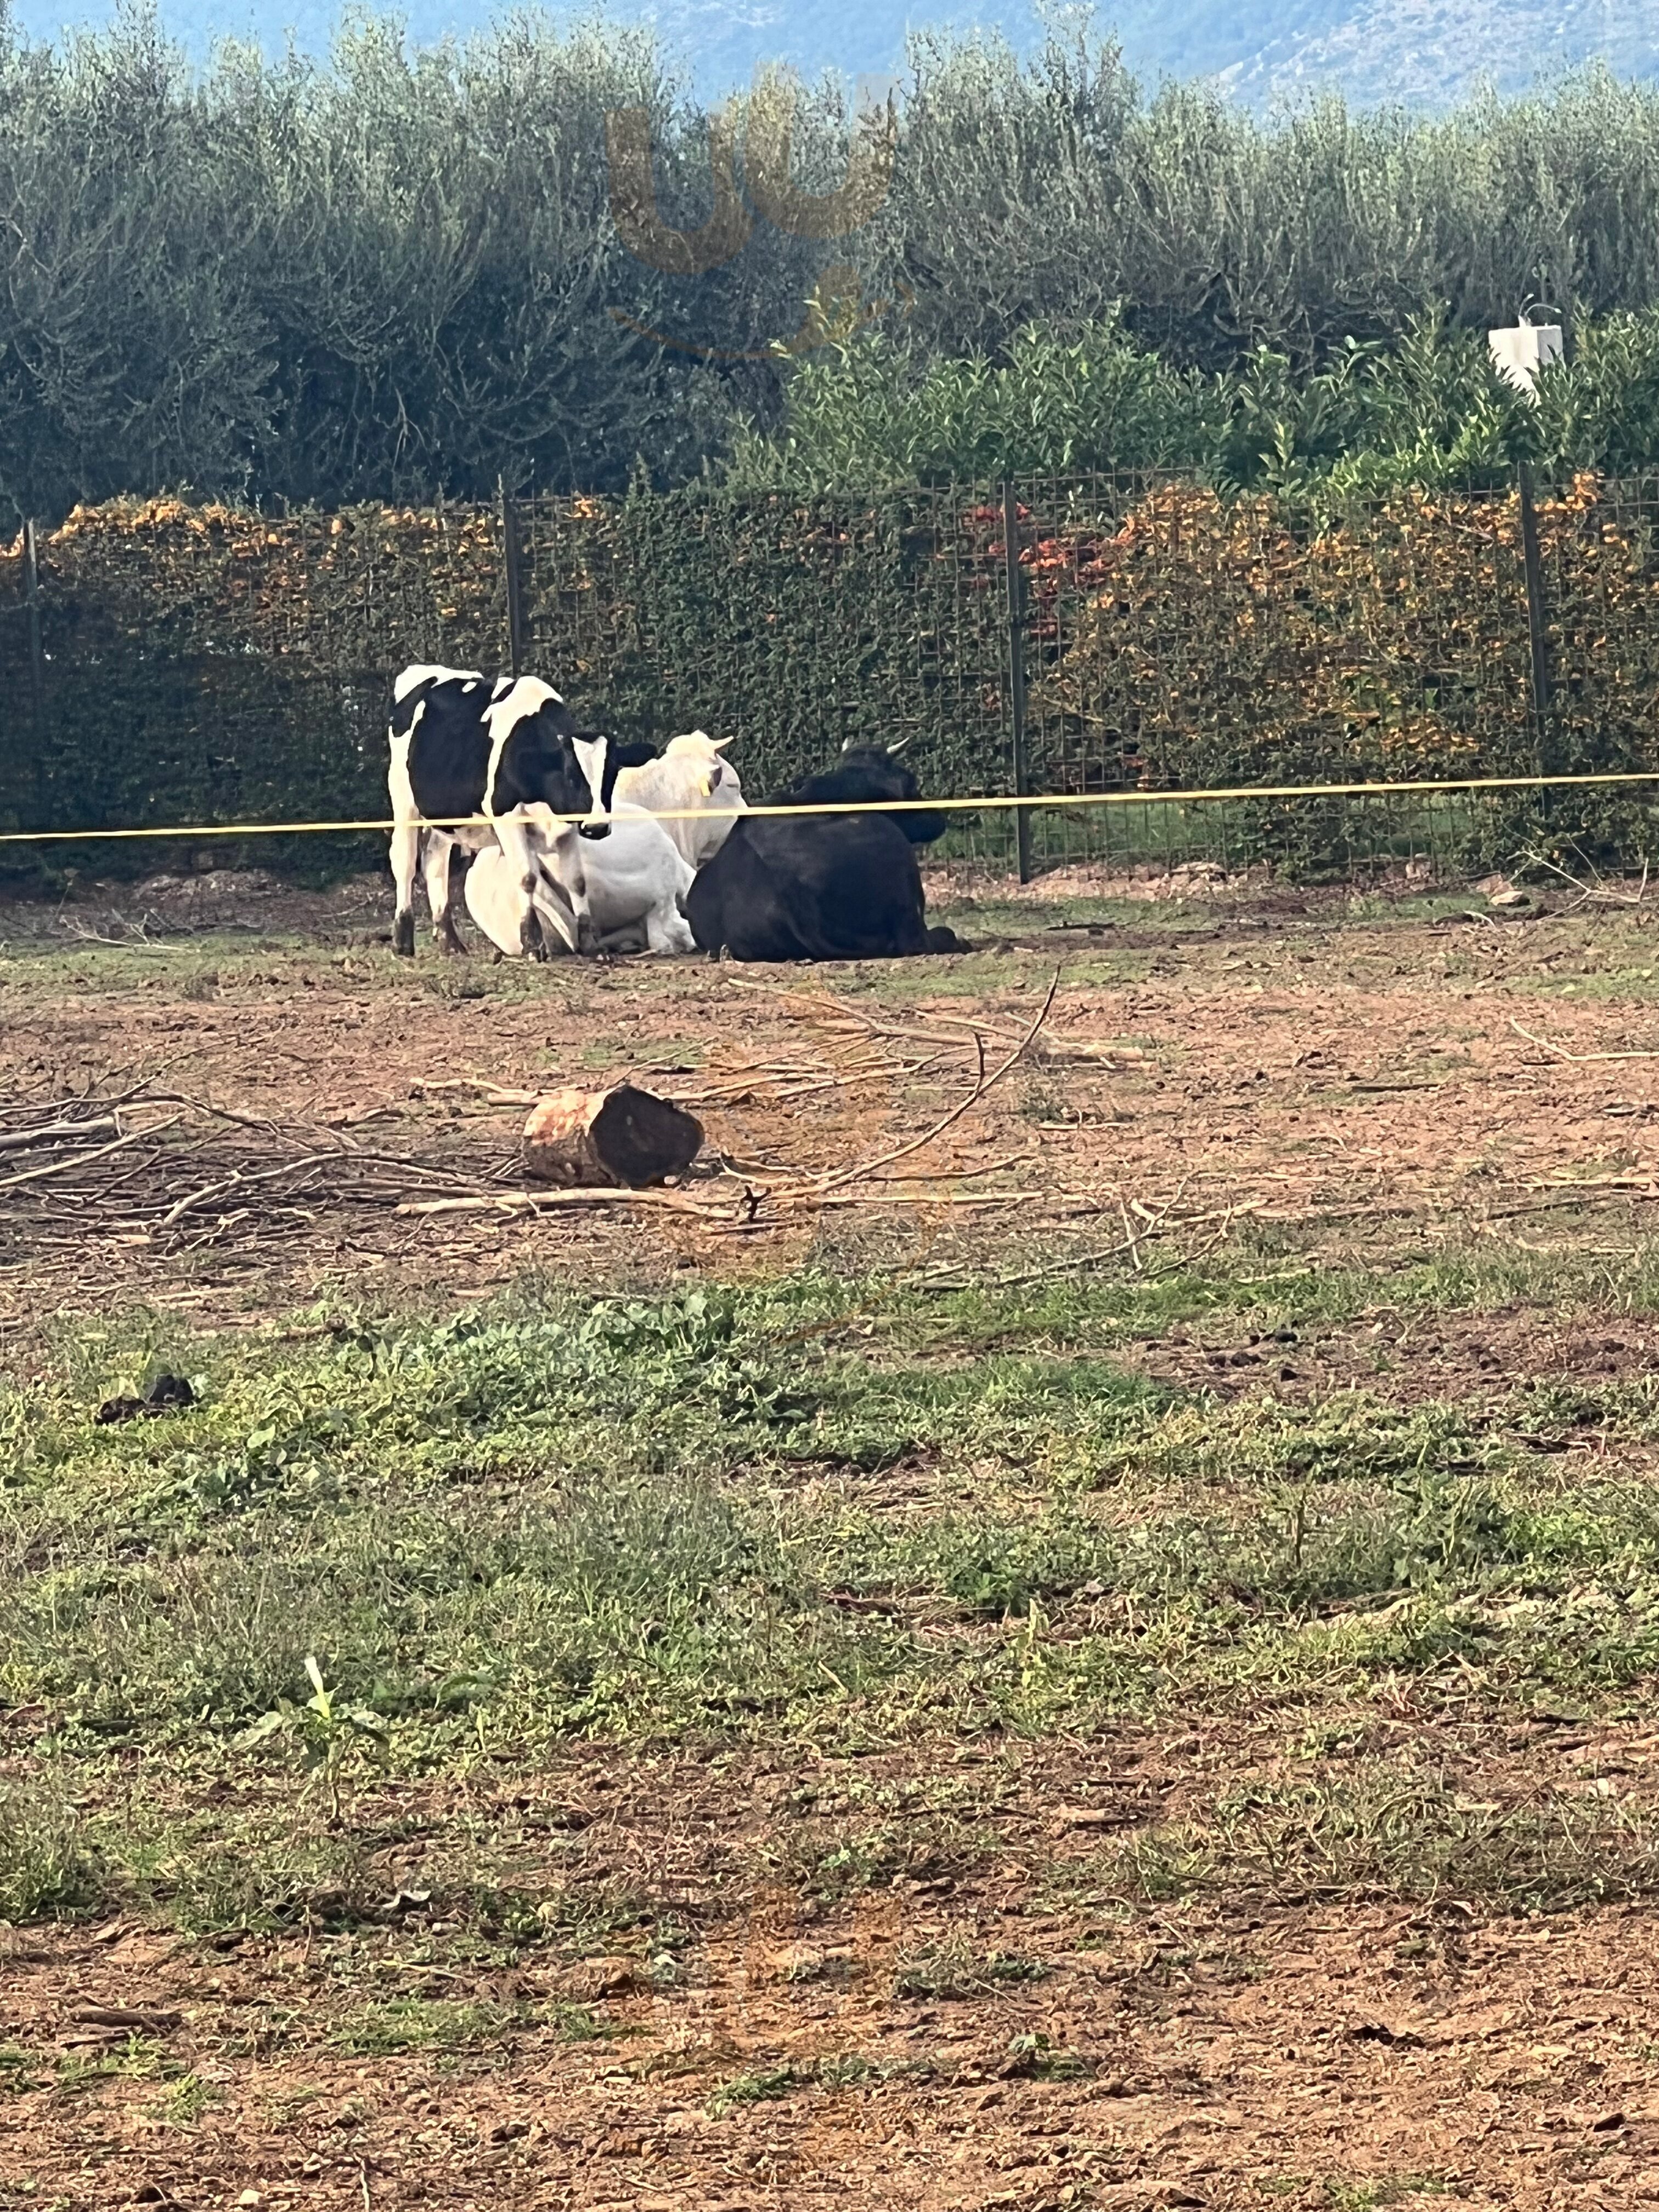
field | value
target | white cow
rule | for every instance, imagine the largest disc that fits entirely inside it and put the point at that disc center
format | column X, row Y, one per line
column 687, row 777
column 619, row 895
column 495, row 901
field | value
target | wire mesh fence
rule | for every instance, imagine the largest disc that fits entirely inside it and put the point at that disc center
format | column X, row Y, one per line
column 1141, row 637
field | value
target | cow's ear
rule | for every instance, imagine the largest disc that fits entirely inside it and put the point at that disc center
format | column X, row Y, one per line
column 634, row 754
column 608, row 776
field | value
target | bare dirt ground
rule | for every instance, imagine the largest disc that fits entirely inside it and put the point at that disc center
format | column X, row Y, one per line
column 1281, row 1061
column 1320, row 1067
column 1287, row 1060
column 1314, row 2054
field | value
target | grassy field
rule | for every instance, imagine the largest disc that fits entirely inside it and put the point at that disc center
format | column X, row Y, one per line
column 1030, row 1719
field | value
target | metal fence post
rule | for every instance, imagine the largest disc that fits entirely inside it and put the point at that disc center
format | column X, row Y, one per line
column 1537, row 629
column 32, row 601
column 515, row 637
column 1016, row 674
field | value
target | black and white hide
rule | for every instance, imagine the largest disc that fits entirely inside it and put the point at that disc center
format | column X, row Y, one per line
column 463, row 745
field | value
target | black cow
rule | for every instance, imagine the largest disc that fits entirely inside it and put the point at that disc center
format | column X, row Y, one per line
column 826, row 887
column 463, row 745
column 864, row 774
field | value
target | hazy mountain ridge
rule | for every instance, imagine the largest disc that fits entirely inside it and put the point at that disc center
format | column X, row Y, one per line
column 1421, row 52
column 1427, row 52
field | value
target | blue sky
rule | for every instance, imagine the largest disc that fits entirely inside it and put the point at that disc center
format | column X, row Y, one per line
column 722, row 41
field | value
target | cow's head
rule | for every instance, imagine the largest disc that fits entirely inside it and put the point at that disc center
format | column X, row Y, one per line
column 875, row 772
column 879, row 770
column 600, row 759
column 702, row 755
column 561, row 767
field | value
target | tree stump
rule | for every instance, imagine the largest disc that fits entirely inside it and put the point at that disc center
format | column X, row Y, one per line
column 623, row 1136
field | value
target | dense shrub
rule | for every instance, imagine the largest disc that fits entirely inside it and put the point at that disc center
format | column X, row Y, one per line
column 400, row 275
column 1429, row 412
column 210, row 664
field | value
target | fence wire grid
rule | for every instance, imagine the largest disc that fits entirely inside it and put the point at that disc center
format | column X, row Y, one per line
column 1139, row 635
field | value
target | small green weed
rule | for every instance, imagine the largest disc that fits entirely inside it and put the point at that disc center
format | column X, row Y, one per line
column 187, row 2098
column 46, row 1865
column 326, row 1731
column 1039, row 2059
column 755, row 2088
column 1387, row 2189
column 376, row 2031
column 17, row 2069
column 939, row 1971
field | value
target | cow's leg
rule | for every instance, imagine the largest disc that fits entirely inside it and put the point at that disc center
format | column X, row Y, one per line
column 565, row 874
column 405, row 840
column 522, row 862
column 440, row 853
column 666, row 930
column 561, row 891
column 563, row 918
column 405, row 860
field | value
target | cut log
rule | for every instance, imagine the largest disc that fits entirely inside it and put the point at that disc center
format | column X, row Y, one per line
column 622, row 1137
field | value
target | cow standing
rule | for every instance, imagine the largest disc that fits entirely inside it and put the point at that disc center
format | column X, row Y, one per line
column 462, row 745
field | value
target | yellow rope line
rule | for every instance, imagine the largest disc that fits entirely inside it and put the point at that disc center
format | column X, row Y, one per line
column 873, row 806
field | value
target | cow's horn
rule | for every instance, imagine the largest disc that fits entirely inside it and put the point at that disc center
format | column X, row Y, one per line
column 897, row 747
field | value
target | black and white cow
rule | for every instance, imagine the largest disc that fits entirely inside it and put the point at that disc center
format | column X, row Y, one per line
column 462, row 744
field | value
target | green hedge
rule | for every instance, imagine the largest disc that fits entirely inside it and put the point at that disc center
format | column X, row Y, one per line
column 211, row 666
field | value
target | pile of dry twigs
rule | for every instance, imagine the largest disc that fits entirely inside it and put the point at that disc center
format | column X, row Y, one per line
column 148, row 1169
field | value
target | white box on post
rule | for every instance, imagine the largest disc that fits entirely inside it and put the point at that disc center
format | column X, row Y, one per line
column 1519, row 354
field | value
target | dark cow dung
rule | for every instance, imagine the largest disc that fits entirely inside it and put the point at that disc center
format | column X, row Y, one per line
column 168, row 1394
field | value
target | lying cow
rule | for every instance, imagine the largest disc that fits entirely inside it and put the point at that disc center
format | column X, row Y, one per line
column 824, row 886
column 462, row 745
column 495, row 899
column 687, row 779
column 829, row 887
column 625, row 895
column 865, row 774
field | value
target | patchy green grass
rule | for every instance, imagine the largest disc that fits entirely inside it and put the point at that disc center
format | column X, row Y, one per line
column 444, row 2024
column 818, row 1511
column 758, row 2087
column 1388, row 2189
column 954, row 1970
column 1391, row 1828
column 46, row 1864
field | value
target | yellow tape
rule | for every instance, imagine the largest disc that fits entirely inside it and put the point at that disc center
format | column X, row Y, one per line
column 874, row 806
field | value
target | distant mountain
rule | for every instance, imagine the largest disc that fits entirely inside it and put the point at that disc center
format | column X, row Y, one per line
column 1430, row 53
column 1422, row 52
